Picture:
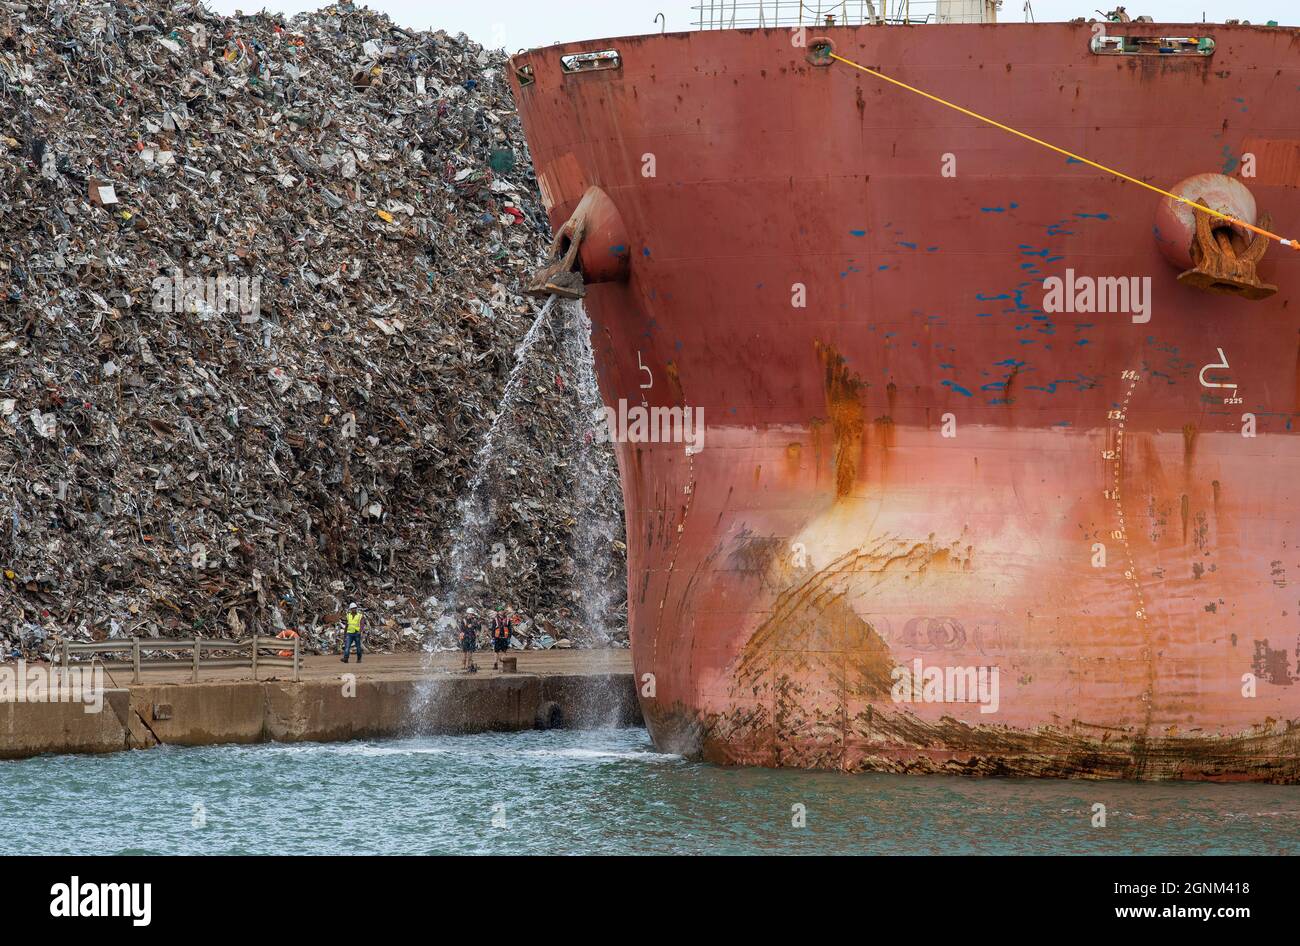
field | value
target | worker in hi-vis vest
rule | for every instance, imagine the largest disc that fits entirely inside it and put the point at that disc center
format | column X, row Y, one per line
column 353, row 632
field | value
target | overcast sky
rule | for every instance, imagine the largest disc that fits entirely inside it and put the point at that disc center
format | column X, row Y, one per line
column 515, row 24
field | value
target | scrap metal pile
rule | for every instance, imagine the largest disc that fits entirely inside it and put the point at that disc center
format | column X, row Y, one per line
column 260, row 289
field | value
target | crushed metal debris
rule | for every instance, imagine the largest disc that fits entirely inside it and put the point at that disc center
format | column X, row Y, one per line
column 260, row 292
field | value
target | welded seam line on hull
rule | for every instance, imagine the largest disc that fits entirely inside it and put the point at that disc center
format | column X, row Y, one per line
column 1139, row 756
column 681, row 537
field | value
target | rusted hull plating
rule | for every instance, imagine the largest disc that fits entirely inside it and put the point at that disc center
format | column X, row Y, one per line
column 1094, row 527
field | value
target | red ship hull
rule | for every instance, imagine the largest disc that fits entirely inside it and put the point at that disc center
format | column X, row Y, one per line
column 921, row 462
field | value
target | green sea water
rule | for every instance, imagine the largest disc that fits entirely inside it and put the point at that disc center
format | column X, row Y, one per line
column 593, row 792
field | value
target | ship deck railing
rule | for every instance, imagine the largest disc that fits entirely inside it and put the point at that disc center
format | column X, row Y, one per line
column 766, row 14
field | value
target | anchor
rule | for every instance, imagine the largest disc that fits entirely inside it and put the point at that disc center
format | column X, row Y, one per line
column 559, row 277
column 1223, row 261
column 591, row 246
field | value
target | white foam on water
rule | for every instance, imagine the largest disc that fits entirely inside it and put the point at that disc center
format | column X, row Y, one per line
column 367, row 750
column 474, row 749
column 600, row 755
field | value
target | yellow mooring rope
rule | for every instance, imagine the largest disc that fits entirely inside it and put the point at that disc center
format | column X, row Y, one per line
column 1294, row 244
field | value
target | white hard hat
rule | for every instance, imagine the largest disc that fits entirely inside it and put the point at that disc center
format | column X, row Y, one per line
column 352, row 606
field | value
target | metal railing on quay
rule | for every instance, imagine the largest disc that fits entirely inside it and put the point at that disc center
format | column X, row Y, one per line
column 251, row 654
